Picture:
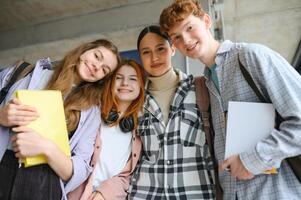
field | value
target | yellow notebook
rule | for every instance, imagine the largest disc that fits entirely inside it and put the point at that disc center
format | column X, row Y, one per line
column 51, row 122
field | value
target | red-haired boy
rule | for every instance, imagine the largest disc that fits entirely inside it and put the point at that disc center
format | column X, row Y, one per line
column 189, row 28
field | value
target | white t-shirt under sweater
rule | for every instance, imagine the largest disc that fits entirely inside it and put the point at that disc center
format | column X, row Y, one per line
column 115, row 151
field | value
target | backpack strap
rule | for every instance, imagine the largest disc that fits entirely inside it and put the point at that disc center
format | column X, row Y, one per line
column 250, row 81
column 202, row 100
column 247, row 76
column 21, row 69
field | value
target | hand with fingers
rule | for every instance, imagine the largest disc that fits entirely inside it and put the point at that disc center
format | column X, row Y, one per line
column 96, row 195
column 27, row 143
column 16, row 114
column 236, row 168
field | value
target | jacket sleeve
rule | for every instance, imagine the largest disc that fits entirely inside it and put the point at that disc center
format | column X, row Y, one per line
column 82, row 146
column 280, row 83
column 117, row 186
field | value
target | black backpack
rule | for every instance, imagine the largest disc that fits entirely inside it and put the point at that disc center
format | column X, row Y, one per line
column 21, row 69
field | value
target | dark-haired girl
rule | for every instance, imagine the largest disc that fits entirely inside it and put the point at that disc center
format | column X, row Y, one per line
column 175, row 163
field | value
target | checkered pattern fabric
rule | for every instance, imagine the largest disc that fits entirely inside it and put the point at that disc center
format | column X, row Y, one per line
column 280, row 83
column 175, row 163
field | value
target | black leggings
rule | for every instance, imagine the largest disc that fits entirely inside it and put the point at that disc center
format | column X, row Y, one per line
column 33, row 183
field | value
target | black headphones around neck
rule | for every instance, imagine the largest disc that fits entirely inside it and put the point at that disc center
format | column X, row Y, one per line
column 126, row 124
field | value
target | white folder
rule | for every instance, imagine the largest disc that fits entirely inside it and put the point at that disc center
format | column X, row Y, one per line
column 247, row 123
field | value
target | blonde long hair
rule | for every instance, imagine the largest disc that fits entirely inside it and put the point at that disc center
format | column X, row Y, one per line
column 85, row 95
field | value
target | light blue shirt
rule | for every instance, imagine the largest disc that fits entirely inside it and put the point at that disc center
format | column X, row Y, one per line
column 81, row 143
column 279, row 82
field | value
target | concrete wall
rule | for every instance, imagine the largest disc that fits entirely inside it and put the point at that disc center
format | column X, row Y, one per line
column 55, row 38
column 275, row 23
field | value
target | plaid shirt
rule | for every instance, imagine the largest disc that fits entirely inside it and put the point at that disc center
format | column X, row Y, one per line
column 280, row 83
column 175, row 162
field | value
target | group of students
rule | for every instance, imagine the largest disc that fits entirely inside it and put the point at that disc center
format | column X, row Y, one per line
column 135, row 131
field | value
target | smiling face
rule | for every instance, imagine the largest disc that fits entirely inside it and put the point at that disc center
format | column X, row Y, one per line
column 155, row 53
column 95, row 64
column 192, row 36
column 126, row 87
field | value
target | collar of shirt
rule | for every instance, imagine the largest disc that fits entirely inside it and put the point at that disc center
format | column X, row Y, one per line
column 181, row 75
column 224, row 48
column 150, row 103
column 219, row 59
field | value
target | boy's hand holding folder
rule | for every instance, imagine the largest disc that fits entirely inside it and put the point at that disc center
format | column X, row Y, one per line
column 247, row 124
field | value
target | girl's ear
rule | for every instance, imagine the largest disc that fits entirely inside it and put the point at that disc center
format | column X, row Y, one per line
column 173, row 50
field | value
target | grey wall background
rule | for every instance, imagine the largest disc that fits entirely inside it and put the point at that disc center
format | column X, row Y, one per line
column 31, row 29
